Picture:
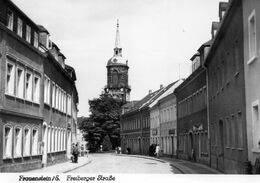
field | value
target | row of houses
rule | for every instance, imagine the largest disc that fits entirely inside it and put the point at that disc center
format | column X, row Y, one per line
column 38, row 95
column 217, row 105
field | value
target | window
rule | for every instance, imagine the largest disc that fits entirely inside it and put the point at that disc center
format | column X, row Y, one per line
column 49, row 140
column 20, row 27
column 46, row 90
column 36, row 40
column 255, row 125
column 8, row 141
column 114, row 78
column 10, row 79
column 17, row 142
column 28, row 86
column 69, row 105
column 26, row 143
column 36, row 89
column 10, row 20
column 57, row 97
column 52, row 139
column 34, row 141
column 252, row 36
column 28, row 34
column 20, row 82
column 53, row 94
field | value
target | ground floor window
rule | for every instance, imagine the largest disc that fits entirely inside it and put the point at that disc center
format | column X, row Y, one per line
column 18, row 141
column 8, row 141
column 35, row 141
column 26, row 142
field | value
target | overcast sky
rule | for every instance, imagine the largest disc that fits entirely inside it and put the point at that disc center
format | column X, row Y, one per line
column 157, row 37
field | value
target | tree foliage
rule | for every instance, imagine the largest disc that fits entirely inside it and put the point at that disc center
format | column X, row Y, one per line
column 103, row 121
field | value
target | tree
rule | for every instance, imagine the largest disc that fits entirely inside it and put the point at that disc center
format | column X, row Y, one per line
column 103, row 121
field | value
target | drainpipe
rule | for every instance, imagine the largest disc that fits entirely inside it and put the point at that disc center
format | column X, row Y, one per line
column 207, row 100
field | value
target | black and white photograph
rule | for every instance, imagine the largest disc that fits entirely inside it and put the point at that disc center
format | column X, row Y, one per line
column 129, row 90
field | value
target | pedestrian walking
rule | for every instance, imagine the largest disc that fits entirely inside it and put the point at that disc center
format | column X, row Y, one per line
column 75, row 153
column 157, row 151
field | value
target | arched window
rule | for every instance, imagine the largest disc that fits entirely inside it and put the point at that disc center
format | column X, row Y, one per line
column 49, row 139
column 27, row 142
column 17, row 141
column 8, row 134
column 52, row 139
column 35, row 141
column 114, row 78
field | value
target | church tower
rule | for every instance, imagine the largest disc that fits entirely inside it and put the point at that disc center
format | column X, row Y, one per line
column 117, row 73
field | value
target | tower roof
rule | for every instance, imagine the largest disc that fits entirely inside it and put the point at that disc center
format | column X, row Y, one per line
column 117, row 59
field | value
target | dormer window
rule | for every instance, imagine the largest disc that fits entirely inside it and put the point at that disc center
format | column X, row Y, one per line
column 28, row 34
column 195, row 63
column 36, row 40
column 20, row 27
column 10, row 20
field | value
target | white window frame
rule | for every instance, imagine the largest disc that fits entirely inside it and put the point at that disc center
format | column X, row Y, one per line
column 47, row 90
column 10, row 20
column 10, row 83
column 28, row 33
column 49, row 139
column 53, row 94
column 18, row 141
column 36, row 88
column 34, row 143
column 27, row 142
column 255, row 126
column 19, row 27
column 8, row 147
column 20, row 82
column 29, row 90
column 252, row 39
column 36, row 40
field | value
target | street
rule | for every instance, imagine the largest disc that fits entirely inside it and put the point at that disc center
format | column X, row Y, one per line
column 112, row 163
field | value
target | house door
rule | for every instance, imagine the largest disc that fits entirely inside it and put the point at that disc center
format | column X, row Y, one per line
column 191, row 146
column 220, row 155
column 69, row 144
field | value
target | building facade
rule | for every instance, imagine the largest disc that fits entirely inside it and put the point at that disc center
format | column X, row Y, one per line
column 226, row 84
column 192, row 123
column 117, row 73
column 251, row 9
column 135, row 124
column 33, row 127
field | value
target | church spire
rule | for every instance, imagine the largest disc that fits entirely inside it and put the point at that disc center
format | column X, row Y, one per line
column 117, row 49
column 117, row 42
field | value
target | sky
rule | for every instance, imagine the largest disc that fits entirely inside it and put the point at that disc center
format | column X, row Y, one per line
column 158, row 38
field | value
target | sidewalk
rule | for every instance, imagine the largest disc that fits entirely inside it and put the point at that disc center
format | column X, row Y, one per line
column 181, row 166
column 63, row 167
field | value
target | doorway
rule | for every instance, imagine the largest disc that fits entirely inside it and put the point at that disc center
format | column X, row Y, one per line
column 220, row 153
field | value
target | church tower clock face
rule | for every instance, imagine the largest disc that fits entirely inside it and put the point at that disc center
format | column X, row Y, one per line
column 117, row 73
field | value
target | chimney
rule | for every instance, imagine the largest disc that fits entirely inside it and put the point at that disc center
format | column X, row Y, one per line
column 161, row 86
column 223, row 6
column 214, row 29
column 150, row 91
